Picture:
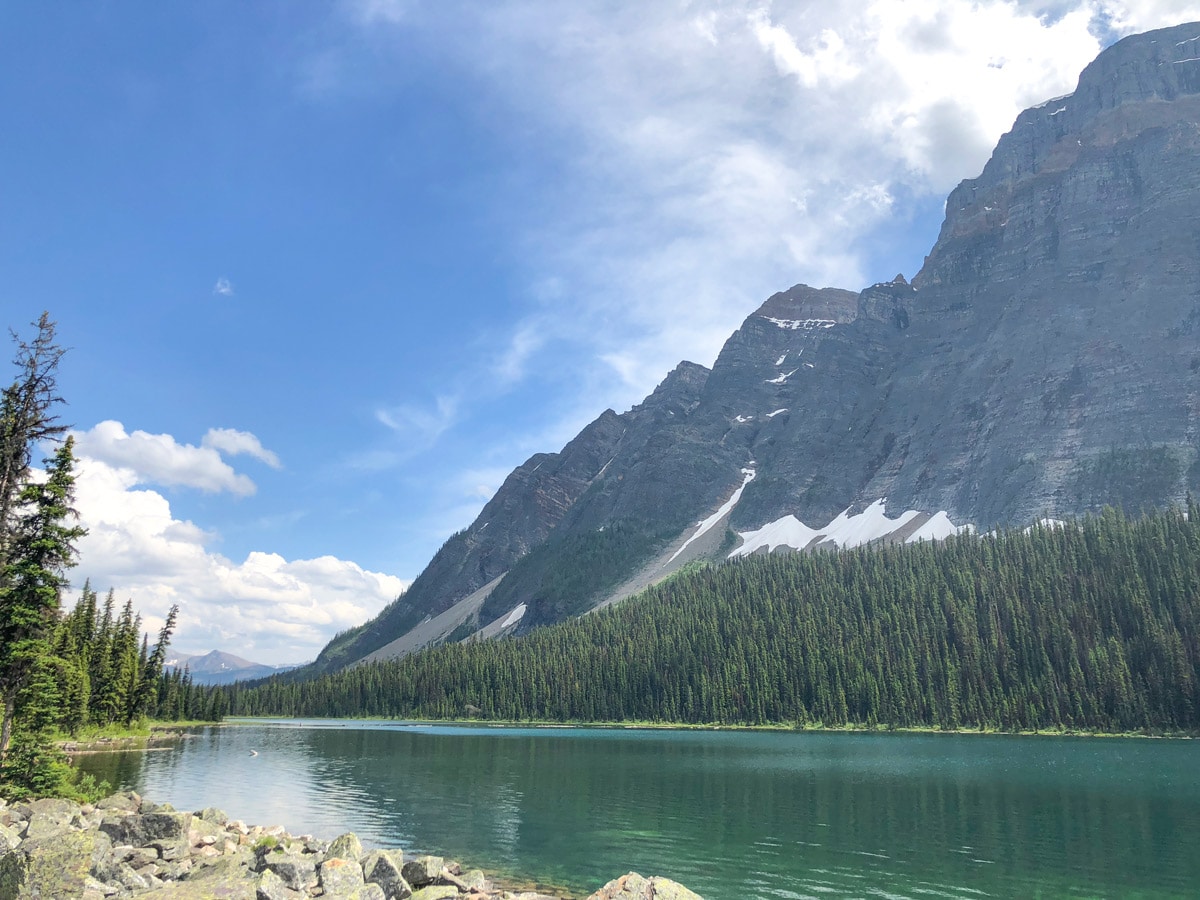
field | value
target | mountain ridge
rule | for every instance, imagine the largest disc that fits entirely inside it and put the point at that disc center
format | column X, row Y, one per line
column 1043, row 362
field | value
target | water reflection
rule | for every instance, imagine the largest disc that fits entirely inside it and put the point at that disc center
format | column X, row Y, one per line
column 729, row 814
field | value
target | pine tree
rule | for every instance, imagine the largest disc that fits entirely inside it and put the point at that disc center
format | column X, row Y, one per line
column 40, row 552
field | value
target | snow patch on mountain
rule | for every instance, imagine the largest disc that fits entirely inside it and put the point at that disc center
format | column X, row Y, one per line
column 712, row 520
column 798, row 324
column 845, row 530
column 938, row 528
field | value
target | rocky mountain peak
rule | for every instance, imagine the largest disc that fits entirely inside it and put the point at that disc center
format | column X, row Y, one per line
column 1043, row 363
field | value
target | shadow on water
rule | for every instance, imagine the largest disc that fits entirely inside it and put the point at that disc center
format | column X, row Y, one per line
column 727, row 813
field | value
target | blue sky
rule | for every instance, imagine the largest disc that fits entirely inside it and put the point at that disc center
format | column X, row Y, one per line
column 328, row 271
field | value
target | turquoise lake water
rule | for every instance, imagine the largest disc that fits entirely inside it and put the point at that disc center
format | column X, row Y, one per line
column 729, row 814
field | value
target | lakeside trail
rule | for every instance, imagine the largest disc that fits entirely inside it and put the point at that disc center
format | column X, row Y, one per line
column 123, row 847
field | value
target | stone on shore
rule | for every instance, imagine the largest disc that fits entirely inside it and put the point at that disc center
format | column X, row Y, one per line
column 385, row 868
column 423, row 870
column 348, row 846
column 126, row 848
column 634, row 887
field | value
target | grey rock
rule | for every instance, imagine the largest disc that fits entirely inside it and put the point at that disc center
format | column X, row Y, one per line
column 340, row 876
column 55, row 866
column 422, row 870
column 634, row 887
column 129, row 801
column 385, row 868
column 299, row 872
column 435, row 892
column 347, row 846
column 128, row 878
column 9, row 838
column 476, row 880
column 271, row 887
column 213, row 815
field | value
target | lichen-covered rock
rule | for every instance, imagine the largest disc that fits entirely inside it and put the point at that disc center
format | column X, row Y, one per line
column 47, row 817
column 340, row 876
column 271, row 887
column 385, row 868
column 348, row 846
column 128, row 801
column 423, row 870
column 54, row 866
column 475, row 880
column 634, row 887
column 435, row 892
column 213, row 815
column 298, row 871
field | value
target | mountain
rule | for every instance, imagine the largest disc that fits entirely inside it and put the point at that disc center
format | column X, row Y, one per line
column 1044, row 362
column 218, row 667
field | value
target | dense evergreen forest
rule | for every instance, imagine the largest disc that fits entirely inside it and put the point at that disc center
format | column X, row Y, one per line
column 1093, row 625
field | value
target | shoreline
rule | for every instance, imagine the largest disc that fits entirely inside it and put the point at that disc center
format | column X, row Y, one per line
column 124, row 847
column 687, row 726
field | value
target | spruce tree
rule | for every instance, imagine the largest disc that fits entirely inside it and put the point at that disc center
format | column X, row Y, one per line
column 41, row 549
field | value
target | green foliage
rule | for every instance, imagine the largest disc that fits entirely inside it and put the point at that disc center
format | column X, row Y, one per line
column 1092, row 626
column 1129, row 479
column 563, row 576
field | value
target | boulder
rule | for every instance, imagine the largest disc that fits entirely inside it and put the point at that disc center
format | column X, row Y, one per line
column 298, row 871
column 348, row 846
column 48, row 817
column 475, row 880
column 435, row 892
column 423, row 870
column 272, row 887
column 128, row 801
column 340, row 876
column 634, row 887
column 55, row 866
column 385, row 868
column 213, row 815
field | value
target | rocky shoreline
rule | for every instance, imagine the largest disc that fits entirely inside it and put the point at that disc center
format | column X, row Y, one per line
column 123, row 847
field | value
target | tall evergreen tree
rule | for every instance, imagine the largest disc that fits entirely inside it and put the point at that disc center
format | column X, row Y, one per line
column 41, row 549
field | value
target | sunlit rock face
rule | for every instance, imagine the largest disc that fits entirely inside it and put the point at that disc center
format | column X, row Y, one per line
column 1045, row 361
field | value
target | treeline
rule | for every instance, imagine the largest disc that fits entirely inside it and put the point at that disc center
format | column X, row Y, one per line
column 1093, row 626
column 106, row 672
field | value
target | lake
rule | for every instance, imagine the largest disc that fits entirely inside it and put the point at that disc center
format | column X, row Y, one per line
column 730, row 814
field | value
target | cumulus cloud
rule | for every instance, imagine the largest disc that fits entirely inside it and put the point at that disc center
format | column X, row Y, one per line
column 160, row 459
column 265, row 607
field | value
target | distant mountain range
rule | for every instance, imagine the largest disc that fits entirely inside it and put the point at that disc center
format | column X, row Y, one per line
column 1044, row 362
column 218, row 667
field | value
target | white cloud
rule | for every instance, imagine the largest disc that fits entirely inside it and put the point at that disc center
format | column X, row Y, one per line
column 160, row 459
column 716, row 151
column 234, row 443
column 223, row 287
column 264, row 608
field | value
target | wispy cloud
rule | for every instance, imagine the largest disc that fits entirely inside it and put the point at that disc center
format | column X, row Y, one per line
column 223, row 287
column 235, row 443
column 418, row 426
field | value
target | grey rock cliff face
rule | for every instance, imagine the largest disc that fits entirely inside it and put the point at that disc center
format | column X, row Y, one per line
column 1044, row 361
